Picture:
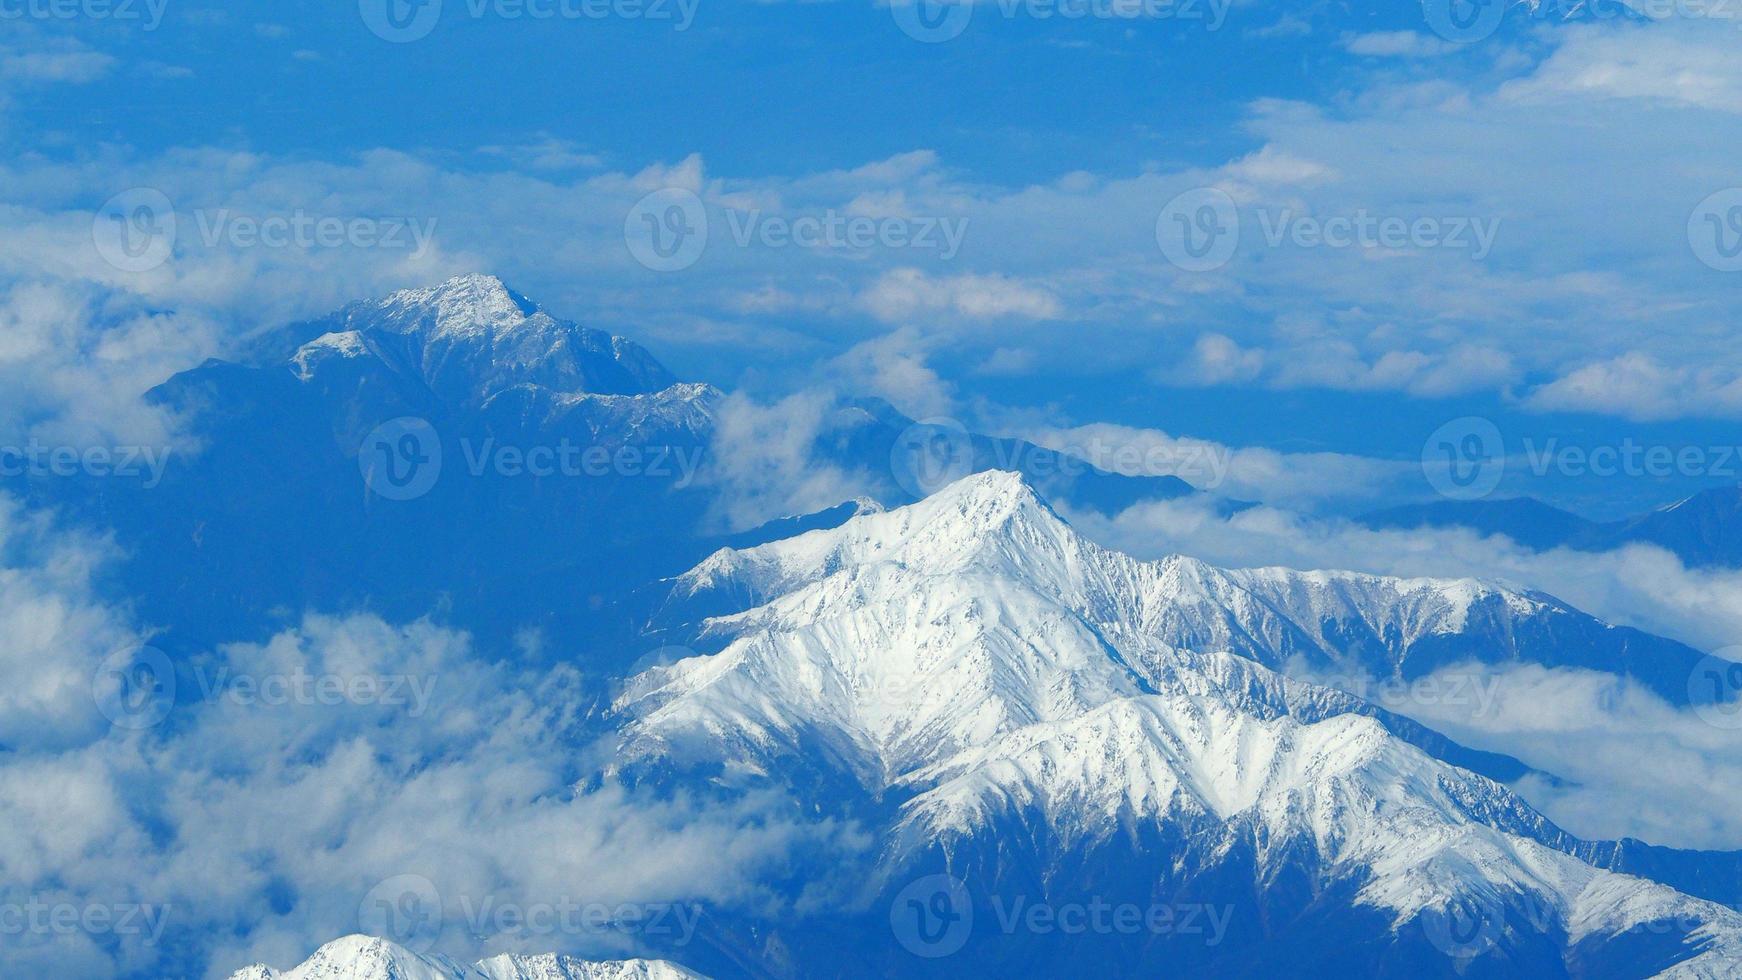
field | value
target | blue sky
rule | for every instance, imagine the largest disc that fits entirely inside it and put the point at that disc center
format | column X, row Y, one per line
column 1583, row 142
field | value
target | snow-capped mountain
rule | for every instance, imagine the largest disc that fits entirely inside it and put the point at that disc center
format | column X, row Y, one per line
column 368, row 958
column 1342, row 624
column 549, row 452
column 1025, row 712
column 472, row 337
column 471, row 346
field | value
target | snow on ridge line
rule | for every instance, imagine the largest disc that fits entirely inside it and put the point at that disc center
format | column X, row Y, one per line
column 996, row 520
column 359, row 957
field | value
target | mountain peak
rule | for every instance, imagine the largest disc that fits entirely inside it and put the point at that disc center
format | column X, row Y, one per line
column 987, row 494
column 464, row 304
column 360, row 957
column 986, row 517
column 468, row 339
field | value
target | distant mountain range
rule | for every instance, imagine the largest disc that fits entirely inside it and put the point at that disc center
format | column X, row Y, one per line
column 1704, row 530
column 570, row 469
column 1024, row 729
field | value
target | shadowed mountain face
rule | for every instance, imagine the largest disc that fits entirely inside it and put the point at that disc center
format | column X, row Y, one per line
column 1704, row 530
column 442, row 449
column 458, row 450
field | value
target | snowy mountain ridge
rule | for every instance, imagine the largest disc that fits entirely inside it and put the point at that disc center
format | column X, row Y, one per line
column 471, row 338
column 1341, row 623
column 1021, row 694
column 368, row 958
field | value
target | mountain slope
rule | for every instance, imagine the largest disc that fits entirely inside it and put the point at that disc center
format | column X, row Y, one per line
column 366, row 958
column 470, row 338
column 1344, row 624
column 1012, row 706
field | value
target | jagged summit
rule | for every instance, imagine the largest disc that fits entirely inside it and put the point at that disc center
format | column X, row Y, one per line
column 465, row 304
column 368, row 958
column 1347, row 624
column 471, row 338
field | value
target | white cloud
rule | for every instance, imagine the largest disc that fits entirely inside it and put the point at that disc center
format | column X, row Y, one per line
column 1309, row 480
column 1632, row 765
column 1396, row 44
column 262, row 824
column 764, row 464
column 56, row 627
column 904, row 294
column 1673, row 61
column 1637, row 386
column 1216, row 360
column 893, row 367
column 1272, row 165
column 546, row 153
column 77, row 66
